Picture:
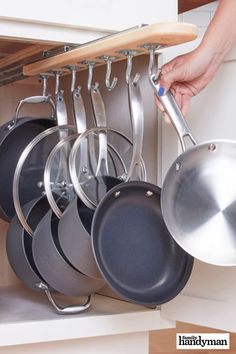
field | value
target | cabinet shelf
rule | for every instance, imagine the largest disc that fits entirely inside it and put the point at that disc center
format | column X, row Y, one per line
column 27, row 317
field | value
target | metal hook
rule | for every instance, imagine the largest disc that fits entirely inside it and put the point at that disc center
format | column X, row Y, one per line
column 57, row 74
column 129, row 55
column 153, row 69
column 44, row 78
column 73, row 69
column 110, row 86
column 73, row 78
column 90, row 65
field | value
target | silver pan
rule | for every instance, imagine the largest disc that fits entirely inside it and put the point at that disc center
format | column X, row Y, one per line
column 199, row 194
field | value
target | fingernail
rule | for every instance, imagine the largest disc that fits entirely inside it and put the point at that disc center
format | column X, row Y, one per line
column 161, row 91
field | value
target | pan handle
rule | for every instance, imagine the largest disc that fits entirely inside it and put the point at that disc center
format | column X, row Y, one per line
column 172, row 109
column 68, row 310
column 80, row 122
column 79, row 110
column 61, row 111
column 100, row 121
column 137, row 120
column 31, row 100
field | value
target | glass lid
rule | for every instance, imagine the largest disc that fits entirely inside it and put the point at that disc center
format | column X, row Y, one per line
column 28, row 183
column 99, row 160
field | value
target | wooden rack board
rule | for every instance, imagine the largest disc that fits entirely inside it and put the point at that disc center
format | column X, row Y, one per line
column 165, row 34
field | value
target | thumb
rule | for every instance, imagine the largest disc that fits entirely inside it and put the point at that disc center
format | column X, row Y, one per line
column 169, row 75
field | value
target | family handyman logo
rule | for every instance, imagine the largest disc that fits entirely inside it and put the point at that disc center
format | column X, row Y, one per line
column 202, row 341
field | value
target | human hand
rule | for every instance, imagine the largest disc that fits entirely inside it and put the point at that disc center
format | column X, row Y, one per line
column 188, row 74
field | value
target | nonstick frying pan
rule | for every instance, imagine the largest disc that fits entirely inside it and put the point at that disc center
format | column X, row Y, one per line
column 199, row 194
column 132, row 246
column 14, row 137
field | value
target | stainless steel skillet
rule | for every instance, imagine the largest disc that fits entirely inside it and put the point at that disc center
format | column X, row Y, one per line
column 198, row 197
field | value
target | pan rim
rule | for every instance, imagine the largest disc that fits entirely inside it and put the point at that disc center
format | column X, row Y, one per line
column 166, row 186
column 189, row 260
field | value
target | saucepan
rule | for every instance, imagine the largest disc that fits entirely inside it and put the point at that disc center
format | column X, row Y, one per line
column 199, row 193
column 20, row 252
column 48, row 254
column 46, row 224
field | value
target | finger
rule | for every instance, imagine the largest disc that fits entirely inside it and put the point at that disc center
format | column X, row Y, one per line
column 170, row 65
column 174, row 75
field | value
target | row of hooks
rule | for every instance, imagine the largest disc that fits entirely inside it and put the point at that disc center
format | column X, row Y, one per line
column 109, row 83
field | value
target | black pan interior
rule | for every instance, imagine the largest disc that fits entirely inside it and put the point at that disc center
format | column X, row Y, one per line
column 12, row 145
column 133, row 248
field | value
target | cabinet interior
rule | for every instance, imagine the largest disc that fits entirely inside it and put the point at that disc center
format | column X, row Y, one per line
column 117, row 110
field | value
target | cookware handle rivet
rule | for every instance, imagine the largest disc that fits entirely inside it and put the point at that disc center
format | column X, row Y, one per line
column 177, row 166
column 149, row 194
column 85, row 170
column 117, row 194
column 123, row 177
column 211, row 147
column 40, row 184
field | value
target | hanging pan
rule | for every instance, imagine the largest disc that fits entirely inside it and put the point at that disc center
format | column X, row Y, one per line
column 49, row 258
column 14, row 137
column 74, row 229
column 20, row 252
column 92, row 185
column 75, row 224
column 34, row 158
column 199, row 193
column 132, row 246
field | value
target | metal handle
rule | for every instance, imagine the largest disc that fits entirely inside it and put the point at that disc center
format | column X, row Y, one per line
column 137, row 119
column 62, row 119
column 31, row 100
column 68, row 310
column 172, row 109
column 101, row 121
column 80, row 121
column 61, row 111
column 79, row 110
